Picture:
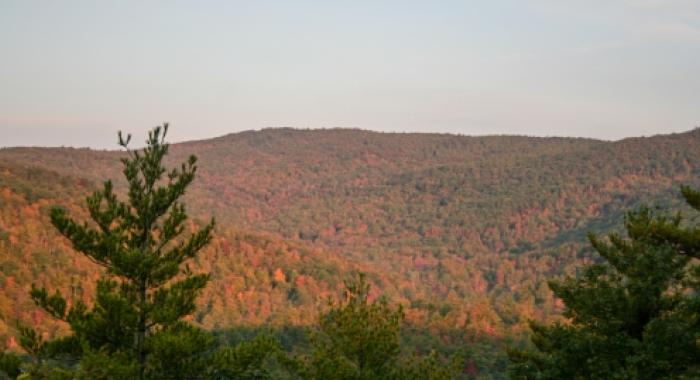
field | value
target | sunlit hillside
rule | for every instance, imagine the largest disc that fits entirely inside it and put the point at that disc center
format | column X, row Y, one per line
column 463, row 231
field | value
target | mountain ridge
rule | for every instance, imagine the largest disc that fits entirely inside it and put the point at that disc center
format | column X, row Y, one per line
column 463, row 231
column 350, row 129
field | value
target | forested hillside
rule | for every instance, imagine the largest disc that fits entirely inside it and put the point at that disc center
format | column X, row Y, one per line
column 463, row 231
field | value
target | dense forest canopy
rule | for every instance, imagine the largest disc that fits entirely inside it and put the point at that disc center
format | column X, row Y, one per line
column 463, row 232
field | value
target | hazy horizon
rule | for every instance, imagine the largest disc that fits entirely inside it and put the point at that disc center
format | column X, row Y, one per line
column 138, row 140
column 73, row 73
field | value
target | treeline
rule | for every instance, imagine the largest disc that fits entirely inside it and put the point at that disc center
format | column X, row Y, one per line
column 257, row 280
column 135, row 326
column 631, row 312
column 462, row 231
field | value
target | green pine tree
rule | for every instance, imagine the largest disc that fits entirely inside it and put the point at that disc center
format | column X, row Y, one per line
column 249, row 360
column 360, row 340
column 134, row 329
column 632, row 316
column 9, row 365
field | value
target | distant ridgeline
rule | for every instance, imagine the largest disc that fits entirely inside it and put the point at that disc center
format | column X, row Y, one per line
column 463, row 231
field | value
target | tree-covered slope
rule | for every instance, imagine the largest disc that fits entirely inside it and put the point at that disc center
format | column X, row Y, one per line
column 256, row 278
column 462, row 230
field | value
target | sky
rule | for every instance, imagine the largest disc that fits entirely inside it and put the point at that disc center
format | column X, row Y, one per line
column 73, row 73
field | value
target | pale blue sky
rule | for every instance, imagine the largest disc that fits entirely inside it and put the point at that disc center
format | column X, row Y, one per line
column 74, row 72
